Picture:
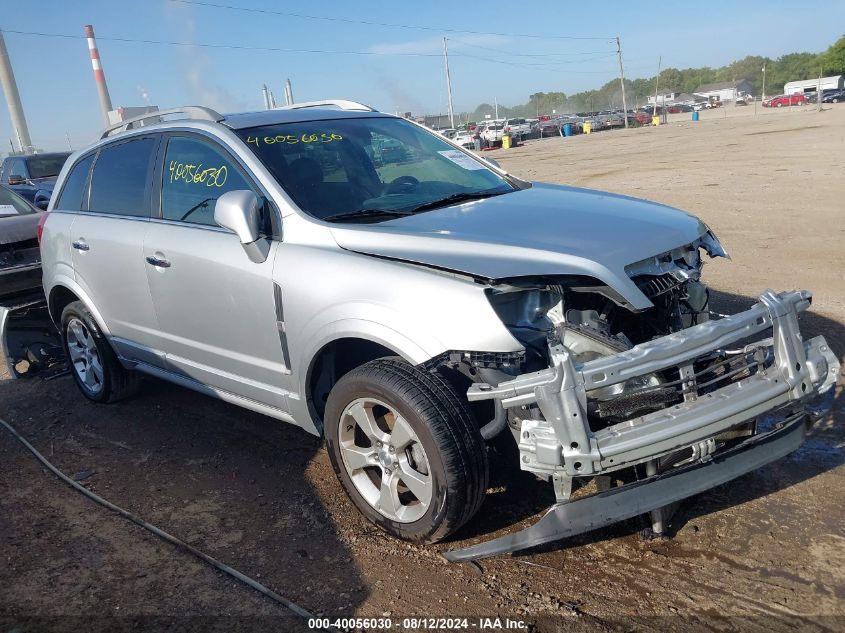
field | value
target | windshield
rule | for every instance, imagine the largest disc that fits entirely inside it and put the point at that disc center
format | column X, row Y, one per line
column 46, row 166
column 368, row 166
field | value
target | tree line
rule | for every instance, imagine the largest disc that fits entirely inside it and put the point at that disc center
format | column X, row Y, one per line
column 789, row 67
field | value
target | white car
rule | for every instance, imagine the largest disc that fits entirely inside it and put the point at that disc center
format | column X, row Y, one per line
column 518, row 128
column 493, row 131
column 464, row 139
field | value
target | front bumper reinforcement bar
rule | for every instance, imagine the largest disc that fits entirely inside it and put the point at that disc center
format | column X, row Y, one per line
column 589, row 513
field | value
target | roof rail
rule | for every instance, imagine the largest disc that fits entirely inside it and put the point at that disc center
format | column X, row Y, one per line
column 343, row 104
column 192, row 112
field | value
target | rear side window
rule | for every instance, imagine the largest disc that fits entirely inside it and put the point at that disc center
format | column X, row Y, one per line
column 121, row 178
column 195, row 175
column 73, row 192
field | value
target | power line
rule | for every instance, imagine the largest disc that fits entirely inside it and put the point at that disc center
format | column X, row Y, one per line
column 304, row 16
column 222, row 46
column 537, row 65
column 504, row 52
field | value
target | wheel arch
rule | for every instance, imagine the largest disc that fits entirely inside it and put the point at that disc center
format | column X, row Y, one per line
column 337, row 355
column 64, row 292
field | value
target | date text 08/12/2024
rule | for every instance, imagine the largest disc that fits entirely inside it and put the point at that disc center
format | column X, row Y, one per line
column 420, row 623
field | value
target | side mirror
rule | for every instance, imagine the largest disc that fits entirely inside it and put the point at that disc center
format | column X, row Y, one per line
column 42, row 204
column 16, row 180
column 240, row 212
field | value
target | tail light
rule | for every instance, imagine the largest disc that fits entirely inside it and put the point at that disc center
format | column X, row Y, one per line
column 39, row 230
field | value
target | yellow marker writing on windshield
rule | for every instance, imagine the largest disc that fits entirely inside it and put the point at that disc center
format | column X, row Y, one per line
column 293, row 139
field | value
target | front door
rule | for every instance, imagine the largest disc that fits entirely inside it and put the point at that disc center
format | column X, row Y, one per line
column 215, row 308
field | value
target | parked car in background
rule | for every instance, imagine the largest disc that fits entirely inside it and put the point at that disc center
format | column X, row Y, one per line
column 785, row 100
column 643, row 117
column 448, row 133
column 493, row 132
column 835, row 96
column 518, row 128
column 465, row 139
column 33, row 176
column 20, row 259
column 410, row 313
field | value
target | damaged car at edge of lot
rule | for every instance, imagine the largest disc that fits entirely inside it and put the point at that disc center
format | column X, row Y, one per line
column 20, row 258
column 411, row 311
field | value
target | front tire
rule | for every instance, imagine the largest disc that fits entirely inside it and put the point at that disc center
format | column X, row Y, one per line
column 406, row 449
column 93, row 363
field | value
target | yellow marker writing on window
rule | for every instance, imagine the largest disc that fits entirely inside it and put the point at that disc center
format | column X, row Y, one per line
column 197, row 175
column 293, row 139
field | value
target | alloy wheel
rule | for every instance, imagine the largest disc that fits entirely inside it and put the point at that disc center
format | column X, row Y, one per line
column 385, row 460
column 84, row 355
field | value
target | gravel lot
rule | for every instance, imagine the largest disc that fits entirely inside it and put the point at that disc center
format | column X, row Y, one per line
column 766, row 552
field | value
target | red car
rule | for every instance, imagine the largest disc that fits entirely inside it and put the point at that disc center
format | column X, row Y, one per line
column 785, row 100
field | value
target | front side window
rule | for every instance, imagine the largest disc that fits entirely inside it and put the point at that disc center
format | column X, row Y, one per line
column 121, row 178
column 195, row 175
column 17, row 169
column 369, row 168
column 73, row 191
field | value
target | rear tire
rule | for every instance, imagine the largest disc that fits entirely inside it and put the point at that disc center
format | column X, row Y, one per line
column 93, row 363
column 422, row 444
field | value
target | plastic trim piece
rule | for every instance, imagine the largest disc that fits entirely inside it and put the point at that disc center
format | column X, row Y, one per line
column 583, row 515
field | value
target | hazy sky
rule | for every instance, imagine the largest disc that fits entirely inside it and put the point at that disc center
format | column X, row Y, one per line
column 386, row 66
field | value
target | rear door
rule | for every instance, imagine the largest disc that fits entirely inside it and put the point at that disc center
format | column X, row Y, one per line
column 107, row 240
column 216, row 309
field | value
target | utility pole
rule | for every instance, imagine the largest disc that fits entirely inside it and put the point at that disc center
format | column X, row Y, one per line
column 448, row 85
column 622, row 80
column 763, row 96
column 266, row 97
column 496, row 102
column 656, row 85
column 13, row 99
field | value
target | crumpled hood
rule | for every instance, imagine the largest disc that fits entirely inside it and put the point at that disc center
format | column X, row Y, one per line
column 543, row 230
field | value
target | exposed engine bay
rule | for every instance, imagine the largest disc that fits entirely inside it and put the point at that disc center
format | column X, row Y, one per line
column 590, row 323
column 601, row 388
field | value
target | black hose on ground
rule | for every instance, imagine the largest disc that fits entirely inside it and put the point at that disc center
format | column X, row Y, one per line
column 254, row 584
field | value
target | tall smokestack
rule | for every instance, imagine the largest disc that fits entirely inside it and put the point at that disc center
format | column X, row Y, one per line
column 99, row 76
column 288, row 93
column 13, row 99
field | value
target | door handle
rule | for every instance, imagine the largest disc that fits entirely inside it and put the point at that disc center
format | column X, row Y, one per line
column 80, row 245
column 155, row 261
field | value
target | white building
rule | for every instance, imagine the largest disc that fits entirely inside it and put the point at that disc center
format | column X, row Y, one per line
column 663, row 97
column 724, row 90
column 811, row 85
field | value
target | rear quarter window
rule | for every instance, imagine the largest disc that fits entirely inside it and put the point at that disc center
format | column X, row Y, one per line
column 72, row 195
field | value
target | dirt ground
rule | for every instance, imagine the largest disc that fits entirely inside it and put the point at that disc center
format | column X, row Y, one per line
column 765, row 552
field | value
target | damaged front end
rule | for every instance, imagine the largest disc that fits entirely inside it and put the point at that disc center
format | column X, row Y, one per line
column 665, row 403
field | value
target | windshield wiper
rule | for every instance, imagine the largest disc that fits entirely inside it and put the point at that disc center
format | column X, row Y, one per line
column 367, row 213
column 454, row 199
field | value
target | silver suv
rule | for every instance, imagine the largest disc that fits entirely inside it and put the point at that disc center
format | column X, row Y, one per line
column 372, row 282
